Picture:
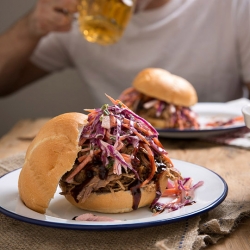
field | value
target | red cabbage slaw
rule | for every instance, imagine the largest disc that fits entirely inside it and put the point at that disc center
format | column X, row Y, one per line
column 112, row 119
column 119, row 124
column 182, row 192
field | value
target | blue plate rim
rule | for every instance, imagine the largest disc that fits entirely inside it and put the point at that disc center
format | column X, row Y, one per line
column 127, row 226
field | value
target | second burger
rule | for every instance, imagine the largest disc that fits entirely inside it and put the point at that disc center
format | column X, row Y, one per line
column 163, row 99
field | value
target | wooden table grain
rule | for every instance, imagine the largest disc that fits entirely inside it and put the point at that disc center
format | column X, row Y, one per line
column 232, row 163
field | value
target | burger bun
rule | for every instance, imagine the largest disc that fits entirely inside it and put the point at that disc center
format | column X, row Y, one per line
column 51, row 154
column 163, row 85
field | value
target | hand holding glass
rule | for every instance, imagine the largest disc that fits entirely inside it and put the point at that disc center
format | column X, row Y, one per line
column 104, row 21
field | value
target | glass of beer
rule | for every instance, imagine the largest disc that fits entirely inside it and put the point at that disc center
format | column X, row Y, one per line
column 104, row 21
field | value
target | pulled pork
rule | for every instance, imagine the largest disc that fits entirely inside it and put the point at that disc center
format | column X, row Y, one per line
column 165, row 115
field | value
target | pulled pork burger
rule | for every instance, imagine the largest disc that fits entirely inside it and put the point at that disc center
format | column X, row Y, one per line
column 110, row 161
column 162, row 98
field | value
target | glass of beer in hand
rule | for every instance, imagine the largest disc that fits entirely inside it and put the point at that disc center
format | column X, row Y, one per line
column 104, row 21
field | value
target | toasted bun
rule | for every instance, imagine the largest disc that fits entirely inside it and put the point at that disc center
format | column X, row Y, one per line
column 49, row 156
column 161, row 84
column 119, row 202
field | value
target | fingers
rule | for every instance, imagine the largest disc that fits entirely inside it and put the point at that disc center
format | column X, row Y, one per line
column 70, row 6
column 53, row 15
column 65, row 6
column 58, row 21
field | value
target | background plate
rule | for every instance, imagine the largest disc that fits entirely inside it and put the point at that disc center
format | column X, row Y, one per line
column 207, row 112
column 60, row 211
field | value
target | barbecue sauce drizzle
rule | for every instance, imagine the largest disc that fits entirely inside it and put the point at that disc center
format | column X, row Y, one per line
column 134, row 187
column 136, row 193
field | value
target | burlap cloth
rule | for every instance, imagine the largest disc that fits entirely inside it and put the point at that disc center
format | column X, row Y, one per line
column 194, row 233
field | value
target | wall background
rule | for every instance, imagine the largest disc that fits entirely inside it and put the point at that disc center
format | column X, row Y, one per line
column 53, row 95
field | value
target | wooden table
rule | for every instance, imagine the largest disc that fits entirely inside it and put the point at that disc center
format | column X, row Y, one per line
column 218, row 158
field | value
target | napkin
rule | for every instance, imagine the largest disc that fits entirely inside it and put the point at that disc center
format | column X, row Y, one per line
column 237, row 137
column 190, row 234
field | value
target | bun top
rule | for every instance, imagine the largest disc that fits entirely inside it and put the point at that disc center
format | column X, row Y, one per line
column 51, row 154
column 162, row 85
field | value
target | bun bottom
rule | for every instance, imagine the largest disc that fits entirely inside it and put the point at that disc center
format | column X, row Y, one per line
column 117, row 202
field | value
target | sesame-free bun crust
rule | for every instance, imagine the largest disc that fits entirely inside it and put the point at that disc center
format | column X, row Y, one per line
column 49, row 156
column 117, row 202
column 121, row 201
column 162, row 85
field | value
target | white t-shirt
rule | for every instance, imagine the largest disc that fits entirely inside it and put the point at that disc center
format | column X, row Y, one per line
column 206, row 42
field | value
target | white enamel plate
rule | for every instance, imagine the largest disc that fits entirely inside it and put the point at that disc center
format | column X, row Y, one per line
column 60, row 212
column 207, row 113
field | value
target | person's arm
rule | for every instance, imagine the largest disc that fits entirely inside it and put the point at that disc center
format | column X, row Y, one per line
column 18, row 43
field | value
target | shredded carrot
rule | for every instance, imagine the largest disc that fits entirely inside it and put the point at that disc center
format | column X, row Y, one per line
column 147, row 132
column 85, row 149
column 143, row 130
column 126, row 157
column 116, row 102
column 238, row 118
column 225, row 123
column 152, row 164
column 82, row 165
column 91, row 110
column 141, row 137
column 170, row 192
column 167, row 159
column 79, row 167
column 81, row 158
column 157, row 142
column 113, row 121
